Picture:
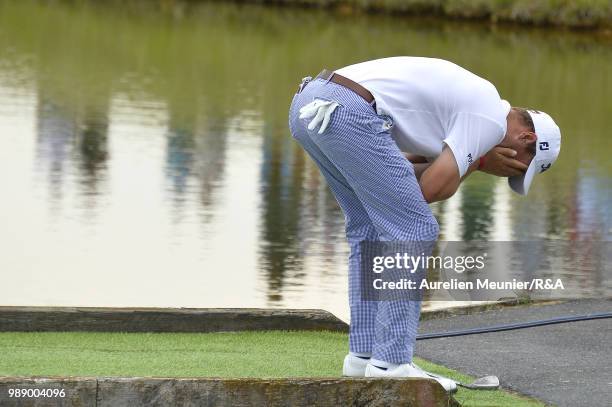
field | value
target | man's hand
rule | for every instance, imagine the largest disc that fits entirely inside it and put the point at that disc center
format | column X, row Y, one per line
column 500, row 161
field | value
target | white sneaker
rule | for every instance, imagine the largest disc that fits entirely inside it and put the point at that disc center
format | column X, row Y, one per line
column 409, row 370
column 354, row 366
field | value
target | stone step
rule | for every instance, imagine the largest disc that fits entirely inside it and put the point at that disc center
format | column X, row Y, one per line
column 218, row 392
column 166, row 319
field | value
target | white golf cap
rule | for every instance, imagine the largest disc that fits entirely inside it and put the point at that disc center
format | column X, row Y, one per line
column 548, row 146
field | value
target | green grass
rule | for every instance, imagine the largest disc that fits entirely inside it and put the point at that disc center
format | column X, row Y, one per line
column 478, row 398
column 244, row 354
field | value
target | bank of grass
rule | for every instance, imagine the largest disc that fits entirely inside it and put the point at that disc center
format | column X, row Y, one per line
column 244, row 354
column 568, row 13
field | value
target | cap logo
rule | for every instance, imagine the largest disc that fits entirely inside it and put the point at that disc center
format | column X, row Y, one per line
column 544, row 167
column 544, row 145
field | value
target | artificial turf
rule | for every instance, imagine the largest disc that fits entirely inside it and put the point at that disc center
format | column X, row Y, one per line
column 242, row 354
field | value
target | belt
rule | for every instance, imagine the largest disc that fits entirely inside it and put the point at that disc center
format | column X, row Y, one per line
column 347, row 83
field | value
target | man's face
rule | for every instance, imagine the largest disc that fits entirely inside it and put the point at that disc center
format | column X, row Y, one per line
column 519, row 138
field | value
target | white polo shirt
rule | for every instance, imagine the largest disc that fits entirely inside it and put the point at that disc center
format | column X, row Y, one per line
column 432, row 102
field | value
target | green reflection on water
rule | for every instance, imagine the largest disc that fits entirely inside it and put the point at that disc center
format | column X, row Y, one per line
column 208, row 63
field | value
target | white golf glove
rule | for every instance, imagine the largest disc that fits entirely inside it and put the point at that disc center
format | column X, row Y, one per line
column 321, row 110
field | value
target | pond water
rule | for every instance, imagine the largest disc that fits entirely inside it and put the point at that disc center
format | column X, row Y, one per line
column 145, row 158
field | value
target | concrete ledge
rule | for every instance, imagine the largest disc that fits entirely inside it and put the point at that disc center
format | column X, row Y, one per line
column 166, row 319
column 109, row 319
column 136, row 392
column 488, row 306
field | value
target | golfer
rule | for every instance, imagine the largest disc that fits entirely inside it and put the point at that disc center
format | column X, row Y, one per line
column 390, row 136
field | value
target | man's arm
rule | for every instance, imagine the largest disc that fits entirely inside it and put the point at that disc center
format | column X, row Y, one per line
column 419, row 169
column 440, row 180
column 419, row 163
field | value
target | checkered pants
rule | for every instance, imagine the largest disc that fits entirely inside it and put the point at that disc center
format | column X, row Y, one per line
column 376, row 188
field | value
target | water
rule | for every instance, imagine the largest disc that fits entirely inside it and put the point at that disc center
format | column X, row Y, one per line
column 145, row 158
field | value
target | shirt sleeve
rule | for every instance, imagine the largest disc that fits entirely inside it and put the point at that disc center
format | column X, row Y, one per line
column 471, row 136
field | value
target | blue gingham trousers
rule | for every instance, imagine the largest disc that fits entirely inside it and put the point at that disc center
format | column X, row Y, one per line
column 378, row 192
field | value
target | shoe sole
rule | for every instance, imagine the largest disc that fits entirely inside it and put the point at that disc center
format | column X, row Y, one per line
column 351, row 371
column 368, row 374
